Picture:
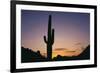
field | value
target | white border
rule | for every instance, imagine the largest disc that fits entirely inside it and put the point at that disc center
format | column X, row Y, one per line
column 20, row 65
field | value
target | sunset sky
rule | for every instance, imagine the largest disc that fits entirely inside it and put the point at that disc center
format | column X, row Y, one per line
column 72, row 31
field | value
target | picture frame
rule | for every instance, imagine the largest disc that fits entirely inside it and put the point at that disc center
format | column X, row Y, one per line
column 21, row 8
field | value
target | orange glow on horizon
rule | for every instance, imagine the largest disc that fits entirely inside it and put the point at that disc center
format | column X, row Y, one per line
column 63, row 52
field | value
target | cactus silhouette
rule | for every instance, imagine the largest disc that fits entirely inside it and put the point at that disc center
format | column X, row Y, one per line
column 49, row 40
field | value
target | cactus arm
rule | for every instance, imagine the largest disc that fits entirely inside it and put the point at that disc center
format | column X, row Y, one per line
column 45, row 39
column 52, row 36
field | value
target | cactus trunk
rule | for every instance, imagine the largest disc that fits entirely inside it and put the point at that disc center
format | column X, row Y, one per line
column 49, row 40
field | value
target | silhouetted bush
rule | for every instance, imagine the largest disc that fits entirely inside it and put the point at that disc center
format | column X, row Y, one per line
column 27, row 55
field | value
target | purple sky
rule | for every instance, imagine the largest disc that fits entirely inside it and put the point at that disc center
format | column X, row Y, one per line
column 72, row 30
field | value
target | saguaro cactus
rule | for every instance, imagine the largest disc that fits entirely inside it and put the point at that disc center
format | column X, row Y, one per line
column 49, row 40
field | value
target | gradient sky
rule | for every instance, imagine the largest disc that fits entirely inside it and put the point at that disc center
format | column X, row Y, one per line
column 72, row 30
